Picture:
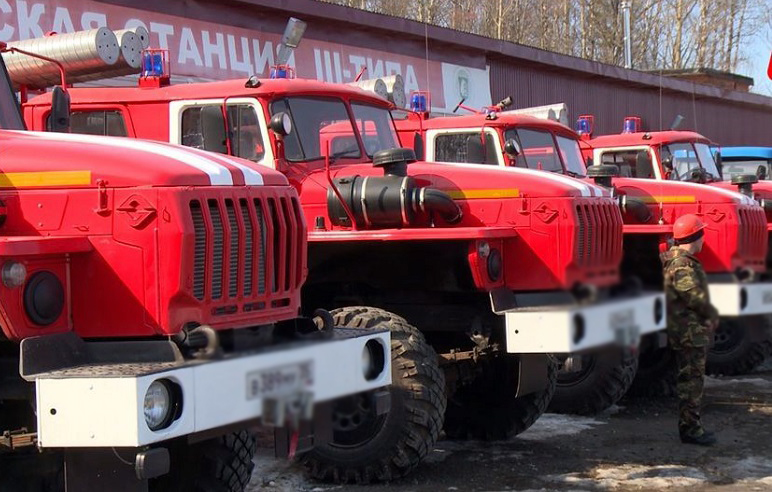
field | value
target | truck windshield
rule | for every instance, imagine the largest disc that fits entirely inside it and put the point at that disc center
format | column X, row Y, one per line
column 759, row 167
column 572, row 155
column 317, row 123
column 688, row 160
column 538, row 149
column 707, row 160
column 375, row 127
column 10, row 112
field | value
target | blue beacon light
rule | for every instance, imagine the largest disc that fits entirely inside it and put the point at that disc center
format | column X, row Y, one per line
column 152, row 65
column 418, row 103
column 583, row 126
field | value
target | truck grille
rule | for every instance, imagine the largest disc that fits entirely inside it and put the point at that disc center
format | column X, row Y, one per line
column 752, row 241
column 599, row 234
column 246, row 248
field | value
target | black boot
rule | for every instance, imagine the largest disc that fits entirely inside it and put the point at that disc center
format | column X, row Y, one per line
column 706, row 438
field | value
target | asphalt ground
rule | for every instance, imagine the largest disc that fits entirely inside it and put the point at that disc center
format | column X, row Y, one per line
column 632, row 446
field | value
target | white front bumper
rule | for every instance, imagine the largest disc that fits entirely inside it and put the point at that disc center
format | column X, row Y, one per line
column 102, row 406
column 567, row 329
column 741, row 299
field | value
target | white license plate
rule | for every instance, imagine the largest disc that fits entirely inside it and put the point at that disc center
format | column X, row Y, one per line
column 627, row 333
column 280, row 381
column 766, row 297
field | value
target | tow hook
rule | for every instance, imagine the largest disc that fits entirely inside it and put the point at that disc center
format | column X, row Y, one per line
column 201, row 341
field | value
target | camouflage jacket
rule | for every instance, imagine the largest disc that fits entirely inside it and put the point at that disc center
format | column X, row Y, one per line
column 689, row 311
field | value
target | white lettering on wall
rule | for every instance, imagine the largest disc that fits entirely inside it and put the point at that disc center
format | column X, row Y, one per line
column 29, row 19
column 263, row 58
column 163, row 31
column 62, row 21
column 244, row 64
column 93, row 20
column 6, row 33
column 188, row 48
column 216, row 48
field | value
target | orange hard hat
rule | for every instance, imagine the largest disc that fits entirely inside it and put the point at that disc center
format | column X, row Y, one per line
column 686, row 226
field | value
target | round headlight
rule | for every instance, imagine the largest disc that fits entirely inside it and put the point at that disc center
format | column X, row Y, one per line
column 495, row 265
column 44, row 298
column 14, row 274
column 158, row 405
column 373, row 359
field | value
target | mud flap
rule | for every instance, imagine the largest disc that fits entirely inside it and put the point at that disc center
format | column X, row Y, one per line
column 310, row 433
column 114, row 469
column 533, row 373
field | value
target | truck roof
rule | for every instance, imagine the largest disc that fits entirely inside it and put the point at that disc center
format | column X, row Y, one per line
column 746, row 152
column 211, row 90
column 503, row 118
column 647, row 138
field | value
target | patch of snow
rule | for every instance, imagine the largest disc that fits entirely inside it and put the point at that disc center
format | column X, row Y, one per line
column 557, row 425
column 281, row 475
column 634, row 476
column 752, row 467
column 711, row 382
column 765, row 366
column 612, row 410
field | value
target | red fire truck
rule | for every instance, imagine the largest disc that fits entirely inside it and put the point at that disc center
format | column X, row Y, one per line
column 740, row 285
column 530, row 139
column 149, row 315
column 498, row 268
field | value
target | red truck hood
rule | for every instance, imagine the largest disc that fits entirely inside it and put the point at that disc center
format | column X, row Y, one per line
column 656, row 191
column 457, row 177
column 73, row 160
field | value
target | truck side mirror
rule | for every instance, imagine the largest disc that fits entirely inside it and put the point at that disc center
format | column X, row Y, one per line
column 643, row 165
column 60, row 111
column 418, row 146
column 512, row 148
column 281, row 124
column 213, row 129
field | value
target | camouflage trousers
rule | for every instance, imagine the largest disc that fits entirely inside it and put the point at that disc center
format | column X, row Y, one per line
column 689, row 386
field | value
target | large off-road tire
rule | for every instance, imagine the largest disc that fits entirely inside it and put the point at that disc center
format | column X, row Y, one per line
column 657, row 372
column 733, row 352
column 487, row 408
column 222, row 464
column 602, row 381
column 368, row 447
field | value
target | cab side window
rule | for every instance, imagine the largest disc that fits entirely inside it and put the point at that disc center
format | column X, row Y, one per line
column 96, row 122
column 465, row 147
column 624, row 160
column 246, row 137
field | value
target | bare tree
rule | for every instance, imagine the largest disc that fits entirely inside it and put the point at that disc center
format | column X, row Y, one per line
column 669, row 34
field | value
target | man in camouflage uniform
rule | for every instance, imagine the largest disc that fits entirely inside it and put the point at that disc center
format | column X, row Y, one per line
column 691, row 322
